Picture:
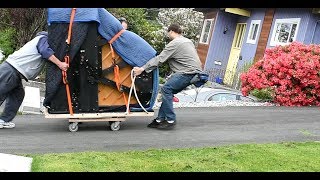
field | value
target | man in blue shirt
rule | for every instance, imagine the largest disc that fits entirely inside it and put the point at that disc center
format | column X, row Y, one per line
column 25, row 63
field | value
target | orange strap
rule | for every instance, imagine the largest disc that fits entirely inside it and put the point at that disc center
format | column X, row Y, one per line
column 116, row 36
column 116, row 67
column 113, row 39
column 67, row 60
column 73, row 12
column 117, row 81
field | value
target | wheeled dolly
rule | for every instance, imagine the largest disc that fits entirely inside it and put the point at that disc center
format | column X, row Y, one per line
column 114, row 118
column 114, row 123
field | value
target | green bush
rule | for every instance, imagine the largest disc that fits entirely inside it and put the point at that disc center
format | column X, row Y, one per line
column 265, row 94
column 7, row 44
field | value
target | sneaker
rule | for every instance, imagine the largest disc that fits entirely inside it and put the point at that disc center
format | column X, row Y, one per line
column 7, row 125
column 155, row 123
column 167, row 125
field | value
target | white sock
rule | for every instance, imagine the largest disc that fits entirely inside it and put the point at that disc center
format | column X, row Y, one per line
column 158, row 120
column 171, row 121
column 2, row 121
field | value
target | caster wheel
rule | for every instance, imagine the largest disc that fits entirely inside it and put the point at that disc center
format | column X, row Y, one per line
column 73, row 127
column 115, row 126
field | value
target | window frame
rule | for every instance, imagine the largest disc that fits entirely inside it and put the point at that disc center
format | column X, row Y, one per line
column 249, row 40
column 285, row 20
column 203, row 31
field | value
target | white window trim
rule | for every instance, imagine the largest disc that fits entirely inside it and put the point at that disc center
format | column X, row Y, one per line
column 250, row 41
column 289, row 20
column 203, row 30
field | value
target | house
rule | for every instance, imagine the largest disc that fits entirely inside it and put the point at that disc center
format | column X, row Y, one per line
column 234, row 37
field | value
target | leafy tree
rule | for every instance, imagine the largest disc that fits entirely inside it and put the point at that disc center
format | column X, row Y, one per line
column 26, row 22
column 7, row 43
column 137, row 22
column 190, row 22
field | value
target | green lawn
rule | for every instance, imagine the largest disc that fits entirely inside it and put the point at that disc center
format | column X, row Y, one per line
column 282, row 157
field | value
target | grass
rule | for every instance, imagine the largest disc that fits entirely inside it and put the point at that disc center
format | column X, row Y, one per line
column 281, row 157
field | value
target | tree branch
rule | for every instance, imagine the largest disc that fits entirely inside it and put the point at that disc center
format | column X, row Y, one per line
column 6, row 24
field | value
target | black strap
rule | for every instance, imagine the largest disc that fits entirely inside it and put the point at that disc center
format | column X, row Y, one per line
column 109, row 82
column 108, row 70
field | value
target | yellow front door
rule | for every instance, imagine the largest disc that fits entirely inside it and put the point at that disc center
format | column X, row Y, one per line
column 234, row 54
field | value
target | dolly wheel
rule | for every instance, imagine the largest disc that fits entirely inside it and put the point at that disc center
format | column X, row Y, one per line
column 115, row 126
column 73, row 127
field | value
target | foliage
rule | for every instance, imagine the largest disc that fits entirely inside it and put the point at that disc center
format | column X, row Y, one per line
column 26, row 21
column 292, row 72
column 4, row 19
column 189, row 20
column 7, row 42
column 137, row 22
column 264, row 94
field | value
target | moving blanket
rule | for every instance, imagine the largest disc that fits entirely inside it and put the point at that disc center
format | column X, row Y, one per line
column 131, row 47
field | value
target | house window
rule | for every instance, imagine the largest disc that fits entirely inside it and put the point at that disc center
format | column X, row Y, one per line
column 284, row 31
column 206, row 29
column 253, row 31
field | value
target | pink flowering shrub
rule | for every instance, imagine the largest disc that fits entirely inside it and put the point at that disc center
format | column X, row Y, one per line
column 291, row 72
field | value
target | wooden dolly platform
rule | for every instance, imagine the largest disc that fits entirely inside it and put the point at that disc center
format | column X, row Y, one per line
column 114, row 118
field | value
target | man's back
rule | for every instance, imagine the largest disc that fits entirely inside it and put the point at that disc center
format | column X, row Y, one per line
column 27, row 60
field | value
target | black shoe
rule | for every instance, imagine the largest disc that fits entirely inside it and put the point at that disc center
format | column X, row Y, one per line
column 154, row 123
column 167, row 125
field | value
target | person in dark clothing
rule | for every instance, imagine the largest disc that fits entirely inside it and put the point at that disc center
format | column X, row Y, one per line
column 25, row 63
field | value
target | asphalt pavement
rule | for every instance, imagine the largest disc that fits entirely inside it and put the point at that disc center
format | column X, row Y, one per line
column 196, row 127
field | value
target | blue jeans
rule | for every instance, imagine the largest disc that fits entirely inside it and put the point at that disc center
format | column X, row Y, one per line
column 11, row 90
column 176, row 83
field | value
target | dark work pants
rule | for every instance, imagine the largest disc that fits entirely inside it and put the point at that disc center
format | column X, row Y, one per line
column 11, row 91
column 175, row 84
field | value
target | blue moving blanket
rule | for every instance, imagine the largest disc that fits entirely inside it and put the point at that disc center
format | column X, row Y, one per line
column 129, row 46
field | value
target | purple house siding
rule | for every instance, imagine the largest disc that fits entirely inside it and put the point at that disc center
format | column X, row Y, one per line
column 316, row 37
column 308, row 35
column 220, row 44
column 313, row 32
column 248, row 50
column 284, row 13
